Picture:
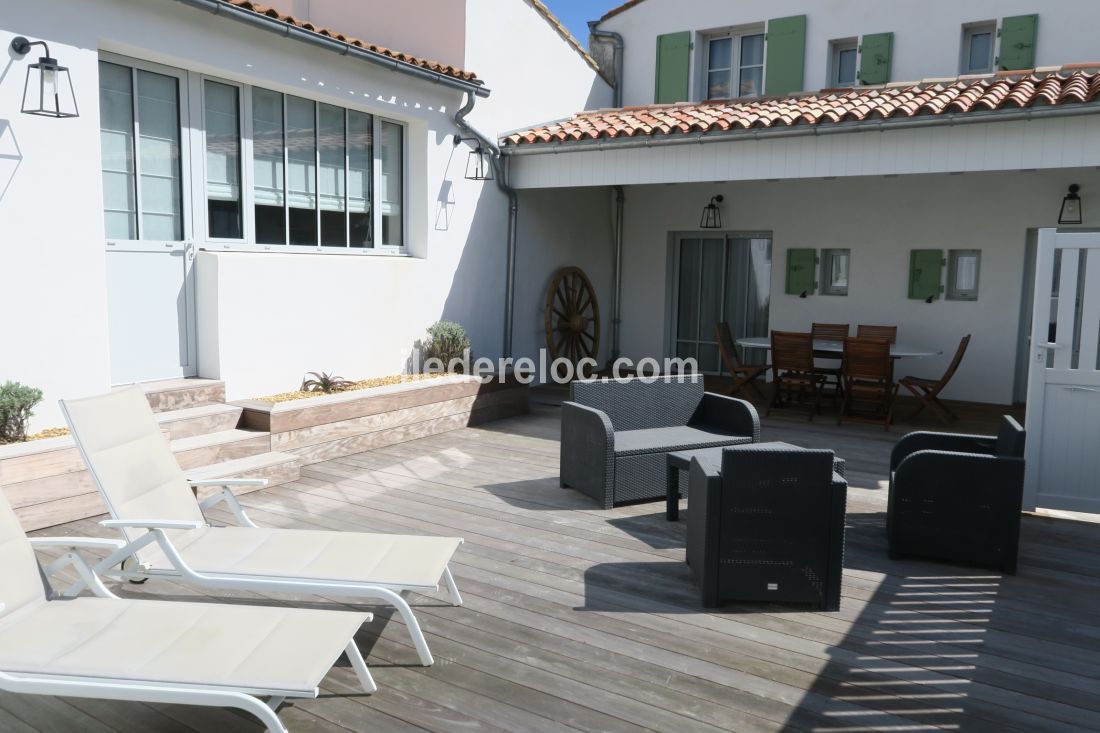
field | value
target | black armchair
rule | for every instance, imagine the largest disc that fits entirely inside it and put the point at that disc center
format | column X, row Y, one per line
column 958, row 498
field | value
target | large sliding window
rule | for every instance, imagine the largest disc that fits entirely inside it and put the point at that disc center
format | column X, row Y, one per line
column 723, row 277
column 223, row 160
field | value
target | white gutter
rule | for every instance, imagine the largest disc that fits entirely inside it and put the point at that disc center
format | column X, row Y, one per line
column 647, row 141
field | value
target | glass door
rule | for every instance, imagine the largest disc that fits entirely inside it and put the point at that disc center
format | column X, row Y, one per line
column 725, row 277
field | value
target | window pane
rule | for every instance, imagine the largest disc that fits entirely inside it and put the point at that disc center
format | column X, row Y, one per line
column 687, row 306
column 159, row 156
column 116, row 135
column 223, row 160
column 846, row 67
column 752, row 82
column 966, row 272
column 391, row 186
column 981, row 50
column 721, row 53
column 752, row 50
column 838, row 270
column 301, row 147
column 267, row 166
column 331, row 186
column 360, row 171
column 718, row 85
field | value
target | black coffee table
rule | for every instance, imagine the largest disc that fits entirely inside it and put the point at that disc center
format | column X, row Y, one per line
column 710, row 458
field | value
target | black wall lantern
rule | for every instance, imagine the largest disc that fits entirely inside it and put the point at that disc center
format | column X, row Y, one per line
column 479, row 164
column 48, row 90
column 712, row 215
column 1071, row 207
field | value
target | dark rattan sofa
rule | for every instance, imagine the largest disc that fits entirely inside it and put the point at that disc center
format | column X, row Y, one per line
column 958, row 498
column 615, row 433
column 767, row 526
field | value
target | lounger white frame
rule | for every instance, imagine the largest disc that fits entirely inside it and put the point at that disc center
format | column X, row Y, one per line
column 123, row 563
column 246, row 699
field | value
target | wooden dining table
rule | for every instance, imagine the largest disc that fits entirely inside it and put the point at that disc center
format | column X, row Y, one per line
column 829, row 347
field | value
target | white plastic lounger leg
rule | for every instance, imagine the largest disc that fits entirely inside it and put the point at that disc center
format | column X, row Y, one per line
column 360, row 667
column 413, row 625
column 452, row 588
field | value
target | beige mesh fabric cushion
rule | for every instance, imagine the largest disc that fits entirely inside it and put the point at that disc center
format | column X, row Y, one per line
column 20, row 581
column 131, row 459
column 380, row 559
column 253, row 647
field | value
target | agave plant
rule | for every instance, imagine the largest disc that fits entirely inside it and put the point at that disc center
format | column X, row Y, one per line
column 324, row 382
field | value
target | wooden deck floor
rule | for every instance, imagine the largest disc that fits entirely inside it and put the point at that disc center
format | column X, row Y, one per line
column 581, row 619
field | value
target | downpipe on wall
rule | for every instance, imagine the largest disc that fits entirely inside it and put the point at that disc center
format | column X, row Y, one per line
column 617, row 277
column 500, row 174
column 618, row 44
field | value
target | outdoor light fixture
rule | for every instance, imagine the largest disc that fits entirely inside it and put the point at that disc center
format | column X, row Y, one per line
column 479, row 164
column 712, row 215
column 48, row 90
column 1071, row 207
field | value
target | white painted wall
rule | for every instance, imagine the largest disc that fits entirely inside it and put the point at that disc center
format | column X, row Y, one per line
column 880, row 220
column 927, row 35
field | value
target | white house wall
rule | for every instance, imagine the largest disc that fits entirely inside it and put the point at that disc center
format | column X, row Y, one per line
column 927, row 35
column 868, row 150
column 880, row 220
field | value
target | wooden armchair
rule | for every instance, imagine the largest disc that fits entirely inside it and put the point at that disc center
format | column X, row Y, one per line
column 744, row 375
column 830, row 332
column 890, row 333
column 869, row 388
column 793, row 375
column 928, row 390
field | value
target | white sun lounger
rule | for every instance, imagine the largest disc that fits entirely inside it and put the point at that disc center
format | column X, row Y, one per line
column 154, row 507
column 113, row 648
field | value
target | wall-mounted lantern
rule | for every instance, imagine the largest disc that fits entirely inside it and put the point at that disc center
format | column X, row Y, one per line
column 479, row 164
column 48, row 90
column 712, row 215
column 1071, row 207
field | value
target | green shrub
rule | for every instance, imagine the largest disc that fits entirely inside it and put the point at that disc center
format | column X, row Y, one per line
column 447, row 341
column 16, row 402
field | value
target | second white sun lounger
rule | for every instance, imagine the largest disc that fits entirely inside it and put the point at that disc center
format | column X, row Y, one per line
column 113, row 648
column 152, row 504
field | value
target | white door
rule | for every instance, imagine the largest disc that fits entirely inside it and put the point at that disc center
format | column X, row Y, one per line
column 1063, row 405
column 150, row 281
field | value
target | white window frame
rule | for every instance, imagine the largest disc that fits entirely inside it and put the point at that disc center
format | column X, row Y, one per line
column 970, row 30
column 193, row 167
column 835, row 49
column 953, row 292
column 825, row 286
column 735, row 35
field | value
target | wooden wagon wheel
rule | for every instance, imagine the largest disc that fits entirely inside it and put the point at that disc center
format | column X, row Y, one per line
column 572, row 316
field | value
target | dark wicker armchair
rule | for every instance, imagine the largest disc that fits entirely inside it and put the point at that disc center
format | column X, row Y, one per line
column 958, row 498
column 768, row 527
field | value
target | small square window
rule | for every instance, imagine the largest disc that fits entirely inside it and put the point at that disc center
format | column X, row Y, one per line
column 734, row 65
column 963, row 271
column 835, row 271
column 843, row 62
column 977, row 48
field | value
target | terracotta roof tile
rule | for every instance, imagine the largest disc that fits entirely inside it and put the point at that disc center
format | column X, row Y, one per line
column 436, row 66
column 1076, row 84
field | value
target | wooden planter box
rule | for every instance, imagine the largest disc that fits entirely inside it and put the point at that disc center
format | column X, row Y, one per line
column 319, row 428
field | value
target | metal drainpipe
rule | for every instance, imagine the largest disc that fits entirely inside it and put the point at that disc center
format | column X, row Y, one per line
column 617, row 40
column 500, row 171
column 617, row 292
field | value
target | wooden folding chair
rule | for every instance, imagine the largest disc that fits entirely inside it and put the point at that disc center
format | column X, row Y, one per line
column 744, row 375
column 793, row 373
column 869, row 388
column 890, row 333
column 928, row 390
column 830, row 332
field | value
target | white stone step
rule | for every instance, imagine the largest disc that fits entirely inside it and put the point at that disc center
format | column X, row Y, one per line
column 277, row 468
column 224, row 445
column 191, row 421
column 177, row 394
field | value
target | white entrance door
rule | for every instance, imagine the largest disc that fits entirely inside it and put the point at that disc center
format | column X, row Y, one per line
column 150, row 282
column 1063, row 404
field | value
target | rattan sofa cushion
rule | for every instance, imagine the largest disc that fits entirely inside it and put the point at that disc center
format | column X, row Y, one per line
column 666, row 440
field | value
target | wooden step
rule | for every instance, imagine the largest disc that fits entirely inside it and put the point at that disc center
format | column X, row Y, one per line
column 192, row 421
column 178, row 394
column 277, row 468
column 224, row 445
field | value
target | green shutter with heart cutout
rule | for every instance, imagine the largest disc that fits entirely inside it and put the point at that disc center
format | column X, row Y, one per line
column 673, row 65
column 786, row 55
column 801, row 270
column 925, row 273
column 1018, row 42
column 875, row 54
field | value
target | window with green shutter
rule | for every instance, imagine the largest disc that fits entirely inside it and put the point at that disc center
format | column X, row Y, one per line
column 786, row 54
column 673, row 66
column 925, row 273
column 801, row 268
column 875, row 53
column 1018, row 42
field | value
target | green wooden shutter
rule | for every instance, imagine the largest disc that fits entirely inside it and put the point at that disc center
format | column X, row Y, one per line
column 1018, row 42
column 925, row 272
column 673, row 62
column 786, row 55
column 874, row 58
column 801, row 268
